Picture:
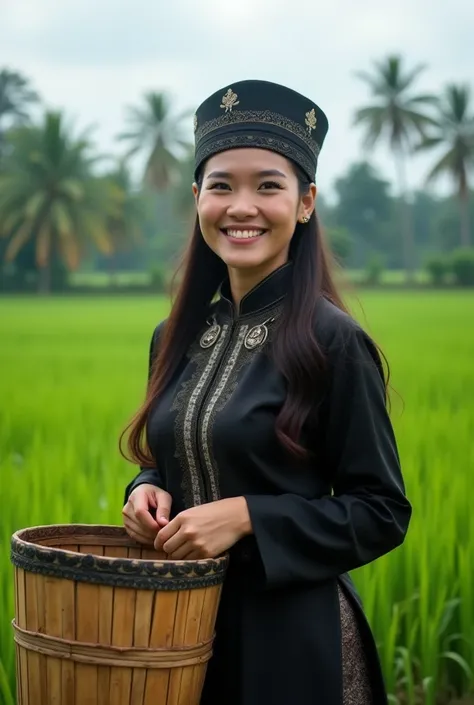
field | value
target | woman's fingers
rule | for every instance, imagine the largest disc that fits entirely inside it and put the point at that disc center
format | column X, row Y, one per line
column 138, row 526
column 192, row 555
column 180, row 553
column 163, row 507
column 176, row 542
column 136, row 531
column 138, row 508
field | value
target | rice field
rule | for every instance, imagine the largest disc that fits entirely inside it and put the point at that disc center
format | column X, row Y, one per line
column 72, row 370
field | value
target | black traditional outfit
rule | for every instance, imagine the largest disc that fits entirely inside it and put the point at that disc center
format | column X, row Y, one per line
column 290, row 628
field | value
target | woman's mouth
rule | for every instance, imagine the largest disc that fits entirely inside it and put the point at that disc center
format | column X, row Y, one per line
column 250, row 234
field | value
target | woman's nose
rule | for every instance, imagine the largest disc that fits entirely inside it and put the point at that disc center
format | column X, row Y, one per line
column 242, row 206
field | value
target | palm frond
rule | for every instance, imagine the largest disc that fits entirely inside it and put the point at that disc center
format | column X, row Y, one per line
column 443, row 165
column 428, row 143
column 374, row 120
column 69, row 249
column 60, row 219
column 18, row 240
column 406, row 81
column 72, row 189
column 34, row 206
column 423, row 99
column 10, row 223
column 370, row 80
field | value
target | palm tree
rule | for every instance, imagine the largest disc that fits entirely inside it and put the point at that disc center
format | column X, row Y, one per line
column 399, row 117
column 16, row 97
column 48, row 193
column 159, row 134
column 454, row 131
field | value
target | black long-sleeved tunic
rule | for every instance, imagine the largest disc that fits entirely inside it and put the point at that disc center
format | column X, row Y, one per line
column 291, row 628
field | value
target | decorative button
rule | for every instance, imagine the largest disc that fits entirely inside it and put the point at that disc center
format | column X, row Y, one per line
column 210, row 336
column 256, row 336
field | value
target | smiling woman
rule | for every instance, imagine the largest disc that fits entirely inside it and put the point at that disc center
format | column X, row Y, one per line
column 248, row 202
column 264, row 432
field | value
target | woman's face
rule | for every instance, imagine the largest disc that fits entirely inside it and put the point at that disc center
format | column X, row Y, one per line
column 248, row 207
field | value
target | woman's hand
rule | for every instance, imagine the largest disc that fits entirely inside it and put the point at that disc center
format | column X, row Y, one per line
column 138, row 521
column 205, row 531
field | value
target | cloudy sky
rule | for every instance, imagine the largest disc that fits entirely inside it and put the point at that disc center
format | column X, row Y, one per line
column 94, row 57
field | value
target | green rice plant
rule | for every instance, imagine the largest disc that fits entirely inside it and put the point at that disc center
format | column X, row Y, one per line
column 73, row 370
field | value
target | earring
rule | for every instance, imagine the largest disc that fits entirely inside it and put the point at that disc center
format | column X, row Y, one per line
column 305, row 219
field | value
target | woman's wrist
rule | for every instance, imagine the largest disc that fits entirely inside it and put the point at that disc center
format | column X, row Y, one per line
column 243, row 517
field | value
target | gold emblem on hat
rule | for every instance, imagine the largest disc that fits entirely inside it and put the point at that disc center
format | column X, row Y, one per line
column 229, row 100
column 311, row 120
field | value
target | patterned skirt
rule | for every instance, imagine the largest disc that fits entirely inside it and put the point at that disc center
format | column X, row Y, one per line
column 356, row 682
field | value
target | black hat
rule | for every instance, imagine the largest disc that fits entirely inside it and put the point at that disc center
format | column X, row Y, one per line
column 260, row 114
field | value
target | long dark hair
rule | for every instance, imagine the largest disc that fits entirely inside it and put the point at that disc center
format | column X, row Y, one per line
column 294, row 348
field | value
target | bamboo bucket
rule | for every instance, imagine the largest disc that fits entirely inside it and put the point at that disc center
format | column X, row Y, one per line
column 101, row 620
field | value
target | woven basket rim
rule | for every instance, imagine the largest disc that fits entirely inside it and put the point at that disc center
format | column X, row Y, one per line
column 111, row 570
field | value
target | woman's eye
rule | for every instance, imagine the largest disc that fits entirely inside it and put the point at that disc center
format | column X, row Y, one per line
column 271, row 185
column 218, row 186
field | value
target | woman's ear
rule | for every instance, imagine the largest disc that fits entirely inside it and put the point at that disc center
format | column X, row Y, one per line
column 308, row 202
column 195, row 192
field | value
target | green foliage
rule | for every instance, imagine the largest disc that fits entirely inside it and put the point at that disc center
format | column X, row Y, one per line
column 158, row 279
column 363, row 202
column 16, row 98
column 60, row 462
column 438, row 268
column 462, row 263
column 374, row 269
column 340, row 242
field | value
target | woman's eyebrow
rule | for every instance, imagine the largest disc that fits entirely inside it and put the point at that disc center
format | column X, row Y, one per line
column 228, row 175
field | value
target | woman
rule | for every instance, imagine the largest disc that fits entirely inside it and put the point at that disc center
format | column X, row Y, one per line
column 267, row 433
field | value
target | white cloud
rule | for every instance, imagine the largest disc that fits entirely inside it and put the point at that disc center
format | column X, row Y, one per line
column 27, row 15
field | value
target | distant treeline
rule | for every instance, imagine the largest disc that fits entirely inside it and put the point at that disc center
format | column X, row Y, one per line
column 64, row 207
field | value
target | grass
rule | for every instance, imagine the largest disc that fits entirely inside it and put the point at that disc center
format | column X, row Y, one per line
column 72, row 371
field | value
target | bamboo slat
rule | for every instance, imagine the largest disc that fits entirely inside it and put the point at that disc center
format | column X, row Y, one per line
column 87, row 629
column 68, row 603
column 22, row 674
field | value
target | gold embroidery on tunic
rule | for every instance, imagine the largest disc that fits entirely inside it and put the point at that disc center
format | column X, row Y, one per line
column 186, row 424
column 206, row 428
column 240, row 357
column 229, row 100
column 193, row 425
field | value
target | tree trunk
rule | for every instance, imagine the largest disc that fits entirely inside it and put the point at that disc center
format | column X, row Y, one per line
column 465, row 218
column 44, row 279
column 406, row 221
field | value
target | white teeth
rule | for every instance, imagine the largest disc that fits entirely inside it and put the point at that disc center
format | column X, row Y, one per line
column 244, row 234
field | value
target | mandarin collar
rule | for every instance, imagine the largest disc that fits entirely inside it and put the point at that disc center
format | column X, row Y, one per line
column 269, row 291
